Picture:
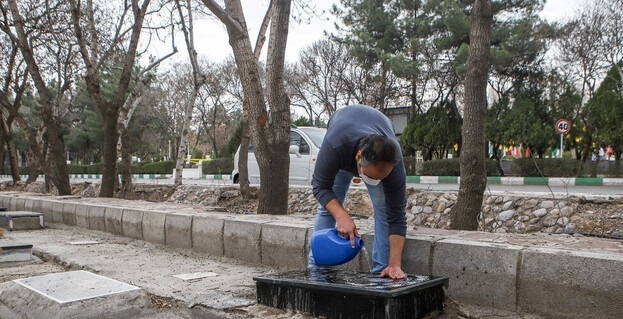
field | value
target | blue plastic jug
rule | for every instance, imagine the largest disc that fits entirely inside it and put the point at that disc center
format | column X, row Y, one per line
column 331, row 249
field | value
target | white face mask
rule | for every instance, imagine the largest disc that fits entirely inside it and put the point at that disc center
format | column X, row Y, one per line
column 369, row 181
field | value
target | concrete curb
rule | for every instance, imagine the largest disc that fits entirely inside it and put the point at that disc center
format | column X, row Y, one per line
column 178, row 230
column 559, row 276
column 153, row 227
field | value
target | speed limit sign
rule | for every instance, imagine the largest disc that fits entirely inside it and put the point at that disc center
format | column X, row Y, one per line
column 563, row 126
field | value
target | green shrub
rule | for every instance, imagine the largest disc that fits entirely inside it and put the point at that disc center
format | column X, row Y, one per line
column 135, row 168
column 77, row 169
column 197, row 153
column 218, row 166
column 165, row 167
column 95, row 168
column 615, row 169
column 229, row 149
column 443, row 167
column 548, row 167
column 452, row 167
column 23, row 170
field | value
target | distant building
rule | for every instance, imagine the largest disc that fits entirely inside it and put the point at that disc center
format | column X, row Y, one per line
column 400, row 116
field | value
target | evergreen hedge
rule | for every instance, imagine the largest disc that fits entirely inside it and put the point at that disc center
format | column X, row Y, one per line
column 165, row 167
column 523, row 167
column 218, row 166
column 452, row 167
column 548, row 167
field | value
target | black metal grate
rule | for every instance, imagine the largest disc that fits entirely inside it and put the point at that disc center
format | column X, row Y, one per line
column 345, row 294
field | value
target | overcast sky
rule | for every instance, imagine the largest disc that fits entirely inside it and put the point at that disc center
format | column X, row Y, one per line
column 211, row 38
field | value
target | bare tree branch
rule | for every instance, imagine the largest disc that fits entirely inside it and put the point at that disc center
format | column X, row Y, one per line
column 222, row 15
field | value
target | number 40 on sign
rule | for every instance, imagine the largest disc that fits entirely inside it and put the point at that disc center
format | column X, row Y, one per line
column 563, row 126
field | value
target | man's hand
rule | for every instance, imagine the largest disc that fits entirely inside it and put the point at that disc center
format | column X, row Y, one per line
column 344, row 223
column 394, row 268
column 393, row 273
column 347, row 229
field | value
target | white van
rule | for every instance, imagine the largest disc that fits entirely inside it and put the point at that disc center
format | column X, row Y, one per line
column 305, row 142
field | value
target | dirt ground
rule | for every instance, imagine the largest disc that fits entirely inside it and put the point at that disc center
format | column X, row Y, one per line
column 152, row 267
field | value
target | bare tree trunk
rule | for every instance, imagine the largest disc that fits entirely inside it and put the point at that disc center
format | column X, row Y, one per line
column 87, row 39
column 37, row 158
column 33, row 173
column 126, row 164
column 10, row 145
column 123, row 144
column 2, row 158
column 183, row 149
column 109, row 153
column 464, row 214
column 60, row 176
column 198, row 81
column 270, row 137
column 274, row 199
column 243, row 167
column 125, row 116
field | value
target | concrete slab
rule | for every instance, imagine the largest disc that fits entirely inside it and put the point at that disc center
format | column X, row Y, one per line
column 97, row 217
column 195, row 276
column 207, row 234
column 83, row 242
column 5, row 201
column 558, row 282
column 284, row 245
column 28, row 204
column 56, row 208
column 13, row 203
column 417, row 254
column 82, row 215
column 113, row 220
column 74, row 286
column 21, row 220
column 46, row 210
column 241, row 239
column 74, row 294
column 132, row 223
column 11, row 251
column 178, row 230
column 153, row 226
column 21, row 203
column 483, row 274
column 69, row 214
column 36, row 206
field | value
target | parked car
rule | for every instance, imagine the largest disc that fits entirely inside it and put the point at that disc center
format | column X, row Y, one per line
column 305, row 142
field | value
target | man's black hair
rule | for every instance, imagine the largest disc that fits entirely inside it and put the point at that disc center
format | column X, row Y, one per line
column 377, row 149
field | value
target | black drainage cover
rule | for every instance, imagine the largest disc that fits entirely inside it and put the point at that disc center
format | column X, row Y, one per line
column 335, row 293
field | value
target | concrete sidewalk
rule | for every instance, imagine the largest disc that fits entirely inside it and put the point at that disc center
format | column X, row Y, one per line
column 556, row 276
column 205, row 286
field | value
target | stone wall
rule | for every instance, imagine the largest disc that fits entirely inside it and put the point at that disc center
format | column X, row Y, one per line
column 500, row 214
